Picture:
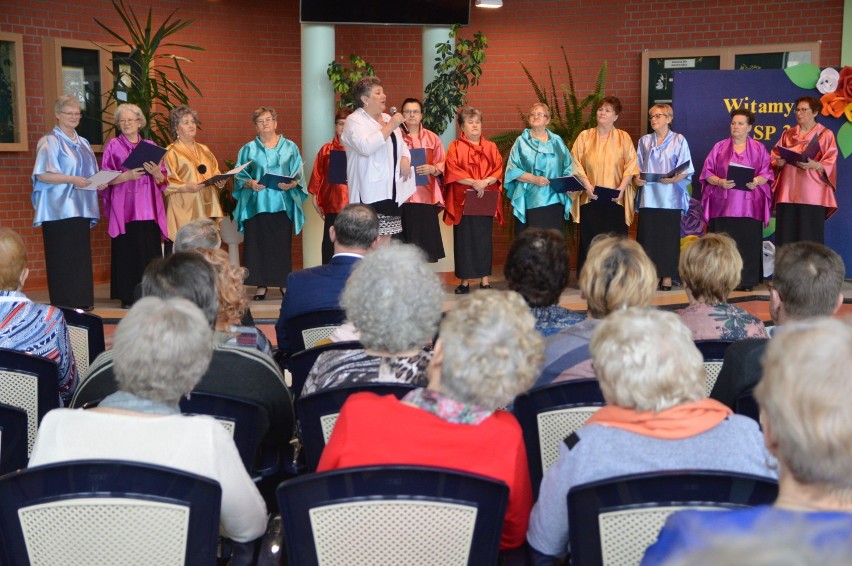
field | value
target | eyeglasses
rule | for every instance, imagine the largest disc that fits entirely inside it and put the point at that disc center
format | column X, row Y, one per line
column 415, row 112
column 805, row 109
column 187, row 123
column 264, row 121
column 72, row 114
column 658, row 116
column 538, row 115
column 129, row 121
column 340, row 123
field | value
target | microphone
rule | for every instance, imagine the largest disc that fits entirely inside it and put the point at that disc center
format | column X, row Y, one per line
column 402, row 124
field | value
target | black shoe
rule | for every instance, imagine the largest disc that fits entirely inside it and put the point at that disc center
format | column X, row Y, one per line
column 745, row 288
column 481, row 286
column 126, row 305
column 258, row 296
column 664, row 287
column 87, row 308
column 462, row 290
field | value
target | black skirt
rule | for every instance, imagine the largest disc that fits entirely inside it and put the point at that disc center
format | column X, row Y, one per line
column 131, row 253
column 658, row 232
column 473, row 246
column 327, row 244
column 748, row 234
column 421, row 227
column 266, row 249
column 551, row 217
column 598, row 219
column 68, row 260
column 798, row 223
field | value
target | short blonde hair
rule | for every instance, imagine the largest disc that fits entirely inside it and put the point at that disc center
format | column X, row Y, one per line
column 127, row 107
column 230, row 293
column 543, row 106
column 13, row 259
column 617, row 274
column 645, row 360
column 710, row 267
column 65, row 100
column 664, row 108
column 804, row 398
column 492, row 351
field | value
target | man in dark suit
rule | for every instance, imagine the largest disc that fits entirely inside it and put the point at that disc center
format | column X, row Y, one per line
column 354, row 233
column 807, row 283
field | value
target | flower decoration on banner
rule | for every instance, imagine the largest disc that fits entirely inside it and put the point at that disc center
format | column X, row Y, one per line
column 836, row 89
column 692, row 223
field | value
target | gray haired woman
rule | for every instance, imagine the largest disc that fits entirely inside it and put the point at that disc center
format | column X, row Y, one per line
column 162, row 348
column 394, row 300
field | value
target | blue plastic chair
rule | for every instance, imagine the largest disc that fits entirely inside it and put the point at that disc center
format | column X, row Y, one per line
column 615, row 520
column 109, row 512
column 240, row 418
column 13, row 438
column 318, row 412
column 87, row 337
column 31, row 383
column 392, row 515
column 550, row 414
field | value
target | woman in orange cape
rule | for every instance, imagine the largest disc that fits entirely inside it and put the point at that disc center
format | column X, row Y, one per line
column 473, row 166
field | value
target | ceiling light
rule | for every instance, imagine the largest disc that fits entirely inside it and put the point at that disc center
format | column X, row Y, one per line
column 489, row 3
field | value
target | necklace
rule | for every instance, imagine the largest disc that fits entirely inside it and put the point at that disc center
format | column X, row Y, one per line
column 201, row 167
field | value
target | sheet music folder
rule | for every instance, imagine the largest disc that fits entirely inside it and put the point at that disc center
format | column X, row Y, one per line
column 271, row 181
column 655, row 177
column 567, row 184
column 418, row 157
column 791, row 156
column 485, row 206
column 143, row 153
column 740, row 174
column 337, row 167
column 606, row 197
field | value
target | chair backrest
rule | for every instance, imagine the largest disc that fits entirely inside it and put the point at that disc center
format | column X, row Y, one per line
column 550, row 414
column 109, row 512
column 714, row 355
column 240, row 418
column 615, row 520
column 746, row 405
column 13, row 438
column 392, row 515
column 300, row 363
column 318, row 412
column 87, row 337
column 30, row 383
column 305, row 330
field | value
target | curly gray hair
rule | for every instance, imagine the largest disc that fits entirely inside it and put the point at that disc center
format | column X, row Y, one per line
column 491, row 350
column 162, row 348
column 394, row 299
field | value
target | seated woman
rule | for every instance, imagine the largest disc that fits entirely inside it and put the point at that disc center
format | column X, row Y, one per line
column 394, row 301
column 807, row 425
column 487, row 353
column 710, row 269
column 162, row 348
column 537, row 268
column 27, row 326
column 656, row 418
column 616, row 275
column 233, row 303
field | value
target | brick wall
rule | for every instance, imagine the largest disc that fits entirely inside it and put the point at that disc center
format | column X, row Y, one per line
column 253, row 47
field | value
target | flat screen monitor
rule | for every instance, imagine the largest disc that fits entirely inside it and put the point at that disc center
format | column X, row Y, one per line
column 414, row 12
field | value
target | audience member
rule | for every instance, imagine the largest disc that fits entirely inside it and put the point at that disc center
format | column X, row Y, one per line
column 394, row 300
column 244, row 373
column 162, row 348
column 710, row 269
column 200, row 233
column 804, row 400
column 488, row 352
column 656, row 418
column 354, row 233
column 617, row 275
column 27, row 326
column 807, row 283
column 537, row 268
column 233, row 303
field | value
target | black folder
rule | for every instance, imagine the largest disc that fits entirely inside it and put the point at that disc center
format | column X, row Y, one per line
column 655, row 177
column 740, row 174
column 337, row 167
column 143, row 153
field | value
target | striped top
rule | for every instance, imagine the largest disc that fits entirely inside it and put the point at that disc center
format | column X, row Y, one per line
column 40, row 330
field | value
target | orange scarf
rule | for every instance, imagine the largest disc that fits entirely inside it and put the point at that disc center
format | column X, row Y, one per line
column 682, row 421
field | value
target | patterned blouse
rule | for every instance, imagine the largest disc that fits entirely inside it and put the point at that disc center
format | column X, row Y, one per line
column 340, row 368
column 40, row 330
column 551, row 319
column 721, row 321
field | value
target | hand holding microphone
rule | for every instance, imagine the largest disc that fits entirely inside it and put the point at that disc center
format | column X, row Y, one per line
column 397, row 119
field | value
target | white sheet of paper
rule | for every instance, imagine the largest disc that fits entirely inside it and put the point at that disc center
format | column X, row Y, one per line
column 101, row 178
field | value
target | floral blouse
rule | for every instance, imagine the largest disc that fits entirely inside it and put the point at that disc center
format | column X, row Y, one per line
column 721, row 321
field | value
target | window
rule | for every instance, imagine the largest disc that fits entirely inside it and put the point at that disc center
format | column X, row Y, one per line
column 13, row 107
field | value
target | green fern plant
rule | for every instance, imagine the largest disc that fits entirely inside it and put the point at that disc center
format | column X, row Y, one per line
column 147, row 83
column 568, row 114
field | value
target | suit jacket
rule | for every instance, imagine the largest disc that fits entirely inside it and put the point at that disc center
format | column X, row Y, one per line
column 313, row 289
column 741, row 370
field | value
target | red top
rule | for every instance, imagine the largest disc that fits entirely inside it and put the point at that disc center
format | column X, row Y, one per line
column 466, row 160
column 375, row 430
column 331, row 199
